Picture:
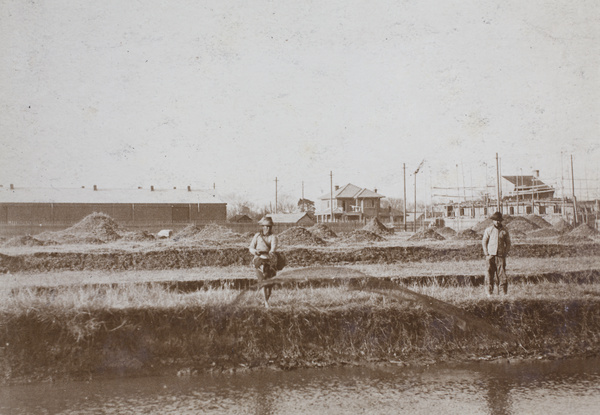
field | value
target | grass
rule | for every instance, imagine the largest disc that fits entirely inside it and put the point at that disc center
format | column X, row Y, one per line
column 525, row 266
column 77, row 299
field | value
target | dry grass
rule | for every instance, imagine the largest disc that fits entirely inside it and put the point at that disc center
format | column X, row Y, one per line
column 79, row 299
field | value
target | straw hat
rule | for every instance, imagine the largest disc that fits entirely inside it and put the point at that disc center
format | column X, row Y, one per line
column 266, row 221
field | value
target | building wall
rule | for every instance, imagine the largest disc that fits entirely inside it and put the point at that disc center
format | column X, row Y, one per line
column 48, row 213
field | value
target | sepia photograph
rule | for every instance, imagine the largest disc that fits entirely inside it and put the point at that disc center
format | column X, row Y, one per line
column 319, row 207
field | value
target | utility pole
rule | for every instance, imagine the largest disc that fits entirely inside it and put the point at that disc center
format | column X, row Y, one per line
column 276, row 195
column 416, row 172
column 498, row 206
column 331, row 193
column 573, row 187
column 404, row 213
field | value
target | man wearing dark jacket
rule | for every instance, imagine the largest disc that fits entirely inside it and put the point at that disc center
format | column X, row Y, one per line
column 496, row 246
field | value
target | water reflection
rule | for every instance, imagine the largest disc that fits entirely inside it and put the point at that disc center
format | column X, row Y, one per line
column 486, row 388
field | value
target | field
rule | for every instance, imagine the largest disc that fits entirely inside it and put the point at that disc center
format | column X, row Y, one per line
column 95, row 300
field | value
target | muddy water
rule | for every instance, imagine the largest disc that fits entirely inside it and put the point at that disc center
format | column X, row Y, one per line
column 556, row 387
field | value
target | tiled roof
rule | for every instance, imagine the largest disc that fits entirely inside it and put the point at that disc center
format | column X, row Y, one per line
column 351, row 191
column 89, row 195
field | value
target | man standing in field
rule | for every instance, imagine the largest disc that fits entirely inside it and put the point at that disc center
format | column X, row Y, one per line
column 263, row 247
column 496, row 246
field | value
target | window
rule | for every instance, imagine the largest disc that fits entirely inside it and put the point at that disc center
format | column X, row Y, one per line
column 542, row 210
column 512, row 210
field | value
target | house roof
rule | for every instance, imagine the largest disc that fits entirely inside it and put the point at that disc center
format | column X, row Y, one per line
column 288, row 217
column 351, row 191
column 525, row 181
column 89, row 195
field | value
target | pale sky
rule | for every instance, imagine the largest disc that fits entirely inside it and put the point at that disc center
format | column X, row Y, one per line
column 235, row 93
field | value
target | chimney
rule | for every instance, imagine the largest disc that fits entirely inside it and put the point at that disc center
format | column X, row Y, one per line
column 375, row 190
column 189, row 188
column 95, row 187
column 12, row 186
column 336, row 187
column 151, row 188
column 536, row 173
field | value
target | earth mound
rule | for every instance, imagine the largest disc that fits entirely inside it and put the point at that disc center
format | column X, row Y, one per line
column 96, row 228
column 517, row 234
column 137, row 236
column 375, row 226
column 468, row 235
column 561, row 225
column 362, row 235
column 539, row 221
column 322, row 231
column 26, row 240
column 519, row 224
column 297, row 235
column 584, row 230
column 573, row 239
column 210, row 233
column 544, row 233
column 446, row 232
column 426, row 235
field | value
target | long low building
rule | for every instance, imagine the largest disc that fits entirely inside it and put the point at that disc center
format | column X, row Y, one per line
column 128, row 206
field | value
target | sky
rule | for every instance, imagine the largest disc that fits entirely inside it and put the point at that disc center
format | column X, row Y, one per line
column 234, row 94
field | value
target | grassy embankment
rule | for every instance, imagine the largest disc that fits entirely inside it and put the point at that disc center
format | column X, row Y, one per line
column 83, row 332
column 106, row 310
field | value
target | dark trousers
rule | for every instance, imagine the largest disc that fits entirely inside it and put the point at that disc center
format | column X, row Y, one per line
column 264, row 268
column 496, row 273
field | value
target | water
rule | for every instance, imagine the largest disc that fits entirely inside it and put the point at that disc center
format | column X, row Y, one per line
column 557, row 387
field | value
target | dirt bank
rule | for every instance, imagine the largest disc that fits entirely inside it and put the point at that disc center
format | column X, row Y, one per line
column 175, row 258
column 40, row 346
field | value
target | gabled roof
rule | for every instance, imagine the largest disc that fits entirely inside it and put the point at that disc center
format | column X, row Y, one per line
column 351, row 191
column 289, row 217
column 89, row 195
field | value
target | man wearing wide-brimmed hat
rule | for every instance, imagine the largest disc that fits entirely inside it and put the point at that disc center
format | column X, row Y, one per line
column 263, row 247
column 496, row 246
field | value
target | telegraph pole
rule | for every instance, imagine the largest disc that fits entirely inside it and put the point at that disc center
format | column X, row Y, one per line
column 331, row 194
column 275, row 194
column 404, row 213
column 573, row 188
column 498, row 206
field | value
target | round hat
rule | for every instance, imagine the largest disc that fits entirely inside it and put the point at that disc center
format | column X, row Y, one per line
column 266, row 221
column 496, row 216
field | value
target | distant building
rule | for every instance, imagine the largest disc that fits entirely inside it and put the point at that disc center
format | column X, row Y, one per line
column 126, row 206
column 241, row 219
column 300, row 219
column 350, row 203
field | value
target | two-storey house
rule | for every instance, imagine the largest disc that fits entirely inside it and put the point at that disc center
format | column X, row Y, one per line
column 349, row 203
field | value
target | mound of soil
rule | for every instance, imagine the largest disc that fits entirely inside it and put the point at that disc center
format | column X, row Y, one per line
column 298, row 235
column 137, row 236
column 322, row 231
column 520, row 224
column 539, row 221
column 517, row 234
column 573, row 239
column 211, row 232
column 468, row 235
column 361, row 235
column 446, row 232
column 426, row 235
column 375, row 226
column 561, row 225
column 584, row 230
column 26, row 240
column 96, row 228
column 544, row 233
